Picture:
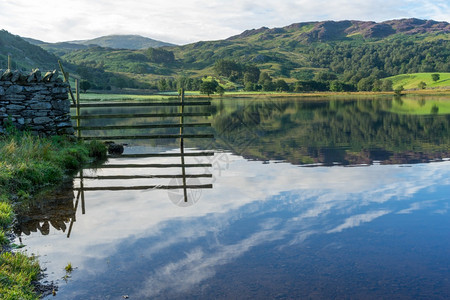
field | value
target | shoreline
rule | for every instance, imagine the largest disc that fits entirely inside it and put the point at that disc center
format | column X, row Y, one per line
column 91, row 97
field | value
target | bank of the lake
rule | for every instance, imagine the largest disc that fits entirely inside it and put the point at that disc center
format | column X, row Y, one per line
column 29, row 164
column 93, row 96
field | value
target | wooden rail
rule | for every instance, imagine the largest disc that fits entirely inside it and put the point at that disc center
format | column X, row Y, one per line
column 181, row 125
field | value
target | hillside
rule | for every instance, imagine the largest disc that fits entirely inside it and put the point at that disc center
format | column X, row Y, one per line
column 23, row 54
column 349, row 50
column 412, row 81
column 353, row 55
column 131, row 42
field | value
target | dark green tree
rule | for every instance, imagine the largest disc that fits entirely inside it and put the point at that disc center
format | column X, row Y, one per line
column 281, row 86
column 85, row 85
column 435, row 77
column 209, row 87
column 220, row 90
column 158, row 55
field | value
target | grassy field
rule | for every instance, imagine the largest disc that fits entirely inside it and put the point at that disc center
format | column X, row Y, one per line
column 411, row 81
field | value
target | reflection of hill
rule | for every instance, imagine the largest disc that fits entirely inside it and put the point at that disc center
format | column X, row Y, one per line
column 329, row 132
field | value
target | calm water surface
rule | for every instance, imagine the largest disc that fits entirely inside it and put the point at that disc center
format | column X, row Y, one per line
column 310, row 199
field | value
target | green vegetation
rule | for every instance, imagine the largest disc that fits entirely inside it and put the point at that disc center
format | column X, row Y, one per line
column 28, row 164
column 412, row 81
column 24, row 55
column 17, row 272
column 68, row 268
column 315, row 56
column 349, row 55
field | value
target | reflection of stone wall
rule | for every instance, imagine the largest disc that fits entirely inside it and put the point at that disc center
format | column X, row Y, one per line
column 54, row 209
column 35, row 102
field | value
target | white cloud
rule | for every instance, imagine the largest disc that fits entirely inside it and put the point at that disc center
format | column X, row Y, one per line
column 193, row 20
column 357, row 220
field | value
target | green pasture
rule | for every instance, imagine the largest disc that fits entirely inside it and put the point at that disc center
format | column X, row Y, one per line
column 411, row 81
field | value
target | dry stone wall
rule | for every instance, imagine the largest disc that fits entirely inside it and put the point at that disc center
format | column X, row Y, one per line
column 35, row 102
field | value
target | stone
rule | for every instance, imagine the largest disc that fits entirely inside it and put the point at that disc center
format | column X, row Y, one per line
column 42, row 113
column 15, row 98
column 2, row 91
column 61, row 105
column 12, row 107
column 35, row 76
column 64, row 124
column 41, row 120
column 6, row 76
column 14, row 89
column 16, row 75
column 41, row 105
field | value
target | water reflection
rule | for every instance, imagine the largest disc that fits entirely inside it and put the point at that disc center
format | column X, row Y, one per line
column 270, row 228
column 56, row 209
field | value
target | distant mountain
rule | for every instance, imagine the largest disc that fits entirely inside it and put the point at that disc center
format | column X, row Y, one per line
column 345, row 30
column 58, row 49
column 23, row 54
column 347, row 51
column 130, row 42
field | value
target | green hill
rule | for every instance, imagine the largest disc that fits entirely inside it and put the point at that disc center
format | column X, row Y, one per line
column 348, row 50
column 411, row 81
column 344, row 55
column 23, row 54
column 131, row 42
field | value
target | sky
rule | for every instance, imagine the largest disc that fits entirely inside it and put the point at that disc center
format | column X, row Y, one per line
column 186, row 21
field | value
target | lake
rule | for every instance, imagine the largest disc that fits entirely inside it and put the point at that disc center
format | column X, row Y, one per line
column 296, row 198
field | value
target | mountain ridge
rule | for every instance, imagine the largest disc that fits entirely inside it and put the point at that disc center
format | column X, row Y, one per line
column 326, row 30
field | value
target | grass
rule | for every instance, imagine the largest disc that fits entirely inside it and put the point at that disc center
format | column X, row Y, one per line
column 411, row 81
column 28, row 164
column 68, row 268
column 123, row 97
column 17, row 273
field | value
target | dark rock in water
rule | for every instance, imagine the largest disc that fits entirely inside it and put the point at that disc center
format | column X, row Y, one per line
column 114, row 149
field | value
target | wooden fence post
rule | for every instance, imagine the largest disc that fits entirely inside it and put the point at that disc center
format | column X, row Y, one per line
column 78, row 108
column 66, row 79
column 9, row 62
column 183, row 169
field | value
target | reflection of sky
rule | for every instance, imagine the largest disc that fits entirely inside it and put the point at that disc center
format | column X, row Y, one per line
column 139, row 243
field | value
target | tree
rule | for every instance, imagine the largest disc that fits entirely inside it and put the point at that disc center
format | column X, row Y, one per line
column 386, row 85
column 85, row 85
column 157, row 55
column 209, row 87
column 435, row 77
column 220, row 90
column 325, row 76
column 225, row 67
column 251, row 74
column 281, row 86
column 398, row 90
column 422, row 85
column 162, row 84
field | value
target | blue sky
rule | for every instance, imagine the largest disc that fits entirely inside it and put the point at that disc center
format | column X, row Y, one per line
column 186, row 21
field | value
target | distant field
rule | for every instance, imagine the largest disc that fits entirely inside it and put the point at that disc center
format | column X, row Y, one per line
column 411, row 81
column 116, row 97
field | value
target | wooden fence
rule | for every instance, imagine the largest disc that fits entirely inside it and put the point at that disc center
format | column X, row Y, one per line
column 83, row 129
